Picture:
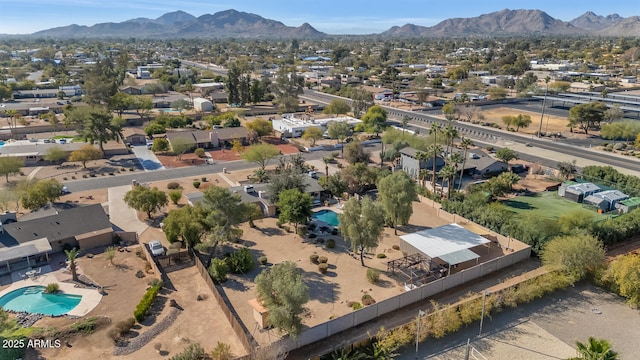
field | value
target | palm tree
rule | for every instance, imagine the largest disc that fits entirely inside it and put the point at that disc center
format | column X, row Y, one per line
column 72, row 255
column 465, row 143
column 327, row 160
column 455, row 159
column 447, row 172
column 435, row 128
column 423, row 176
column 434, row 151
column 450, row 134
column 596, row 350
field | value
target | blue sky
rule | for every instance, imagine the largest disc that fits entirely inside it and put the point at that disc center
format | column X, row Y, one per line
column 330, row 16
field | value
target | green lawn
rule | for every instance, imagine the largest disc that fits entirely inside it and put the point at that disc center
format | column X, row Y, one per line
column 547, row 204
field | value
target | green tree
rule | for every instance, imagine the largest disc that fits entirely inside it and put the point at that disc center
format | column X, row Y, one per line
column 337, row 107
column 622, row 274
column 100, row 126
column 41, row 193
column 447, row 172
column 587, row 116
column 505, row 155
column 184, row 224
column 287, row 87
column 180, row 146
column 356, row 153
column 143, row 105
column 397, row 193
column 567, row 169
column 576, row 255
column 10, row 166
column 55, row 154
column 284, row 180
column 312, row 134
column 295, row 207
column 374, row 120
column 596, row 350
column 146, row 199
column 260, row 154
column 362, row 100
column 333, row 184
column 119, row 102
column 339, row 130
column 577, row 222
column 361, row 223
column 613, row 113
column 261, row 126
column 358, row 177
column 160, row 145
column 100, row 82
column 85, row 153
column 224, row 211
column 175, row 195
column 282, row 291
column 233, row 122
column 450, row 110
column 434, row 151
column 497, row 93
column 465, row 143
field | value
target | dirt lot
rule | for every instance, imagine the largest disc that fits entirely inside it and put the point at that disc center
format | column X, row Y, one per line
column 329, row 293
column 551, row 124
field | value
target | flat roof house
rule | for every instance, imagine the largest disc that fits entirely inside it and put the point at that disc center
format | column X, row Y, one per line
column 412, row 166
column 208, row 139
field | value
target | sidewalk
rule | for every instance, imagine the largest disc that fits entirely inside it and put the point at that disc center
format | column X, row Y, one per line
column 493, row 282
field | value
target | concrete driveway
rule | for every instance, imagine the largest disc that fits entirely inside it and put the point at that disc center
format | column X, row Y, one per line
column 147, row 158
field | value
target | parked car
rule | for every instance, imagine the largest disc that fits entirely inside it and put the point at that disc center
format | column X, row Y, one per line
column 156, row 248
column 65, row 190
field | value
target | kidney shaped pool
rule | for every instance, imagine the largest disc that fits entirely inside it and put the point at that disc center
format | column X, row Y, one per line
column 32, row 299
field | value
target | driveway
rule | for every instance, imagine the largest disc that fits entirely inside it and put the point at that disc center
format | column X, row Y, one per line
column 147, row 158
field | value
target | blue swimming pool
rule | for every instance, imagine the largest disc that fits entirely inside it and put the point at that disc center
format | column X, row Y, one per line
column 32, row 299
column 327, row 216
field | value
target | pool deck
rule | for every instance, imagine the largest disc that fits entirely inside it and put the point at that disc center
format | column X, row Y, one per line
column 90, row 297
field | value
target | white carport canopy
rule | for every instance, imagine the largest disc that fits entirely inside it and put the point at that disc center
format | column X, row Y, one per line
column 450, row 243
column 34, row 247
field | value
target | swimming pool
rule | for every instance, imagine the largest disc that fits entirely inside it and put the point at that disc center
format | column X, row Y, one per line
column 327, row 216
column 32, row 299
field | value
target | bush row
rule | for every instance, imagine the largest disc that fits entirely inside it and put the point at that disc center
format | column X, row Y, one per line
column 143, row 306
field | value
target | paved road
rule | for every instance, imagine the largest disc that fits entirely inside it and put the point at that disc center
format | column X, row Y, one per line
column 173, row 173
column 493, row 136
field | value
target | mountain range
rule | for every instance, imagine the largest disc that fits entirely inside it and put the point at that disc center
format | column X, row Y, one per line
column 232, row 23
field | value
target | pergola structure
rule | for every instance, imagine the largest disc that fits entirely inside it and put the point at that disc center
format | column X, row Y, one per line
column 450, row 244
column 415, row 268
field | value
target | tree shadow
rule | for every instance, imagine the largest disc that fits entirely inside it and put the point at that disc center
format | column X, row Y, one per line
column 270, row 231
column 521, row 205
column 411, row 228
column 319, row 288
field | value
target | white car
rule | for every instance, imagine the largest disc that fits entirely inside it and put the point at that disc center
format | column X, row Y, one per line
column 156, row 248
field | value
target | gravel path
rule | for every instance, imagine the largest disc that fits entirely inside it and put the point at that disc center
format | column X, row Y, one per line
column 142, row 340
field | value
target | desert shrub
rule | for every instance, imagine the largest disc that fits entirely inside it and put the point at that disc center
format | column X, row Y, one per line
column 619, row 146
column 124, row 326
column 173, row 186
column 196, row 184
column 331, row 243
column 140, row 274
column 84, row 326
column 314, row 258
column 193, row 351
column 381, row 256
column 279, row 224
column 323, row 268
column 368, row 300
column 470, row 310
column 175, row 195
column 396, row 247
column 286, row 228
column 203, row 179
column 301, row 231
column 222, row 351
column 52, row 288
column 241, row 261
column 199, row 152
column 334, row 231
column 143, row 306
column 323, row 259
column 218, row 270
column 356, row 306
column 373, row 275
column 262, row 260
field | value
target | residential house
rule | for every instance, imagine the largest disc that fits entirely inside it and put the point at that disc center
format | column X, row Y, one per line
column 30, row 241
column 131, row 90
column 293, row 126
column 611, row 197
column 32, row 153
column 578, row 192
column 411, row 165
column 134, row 136
column 208, row 139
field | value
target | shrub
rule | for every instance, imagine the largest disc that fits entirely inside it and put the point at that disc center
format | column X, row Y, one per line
column 323, row 268
column 193, row 351
column 331, row 243
column 124, row 326
column 619, row 146
column 196, row 184
column 199, row 152
column 218, row 270
column 356, row 306
column 381, row 256
column 301, row 231
column 373, row 275
column 241, row 261
column 85, row 326
column 279, row 224
column 312, row 236
column 52, row 288
column 286, row 228
column 311, row 227
column 314, row 258
column 140, row 274
column 204, row 179
column 143, row 306
column 175, row 195
column 262, row 260
column 222, row 351
column 173, row 186
column 334, row 232
column 323, row 259
column 368, row 300
column 396, row 247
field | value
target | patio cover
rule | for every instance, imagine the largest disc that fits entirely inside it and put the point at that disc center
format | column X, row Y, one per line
column 450, row 243
column 34, row 247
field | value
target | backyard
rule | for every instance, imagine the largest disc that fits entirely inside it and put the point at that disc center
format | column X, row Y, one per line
column 548, row 204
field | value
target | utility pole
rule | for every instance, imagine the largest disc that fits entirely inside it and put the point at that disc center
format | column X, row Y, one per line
column 544, row 101
column 484, row 301
column 420, row 314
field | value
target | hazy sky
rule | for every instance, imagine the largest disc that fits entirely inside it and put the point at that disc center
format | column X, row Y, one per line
column 330, row 16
